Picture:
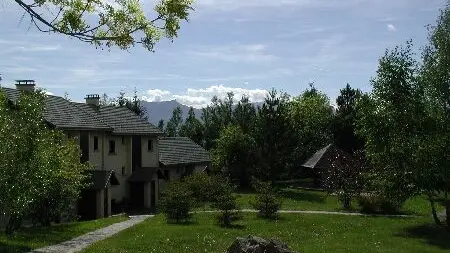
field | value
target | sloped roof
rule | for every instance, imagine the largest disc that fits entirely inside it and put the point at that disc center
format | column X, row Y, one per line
column 323, row 157
column 99, row 179
column 120, row 119
column 181, row 150
column 70, row 115
column 314, row 160
column 63, row 114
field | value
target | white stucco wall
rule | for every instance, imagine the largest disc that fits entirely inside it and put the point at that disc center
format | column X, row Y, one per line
column 177, row 172
column 150, row 158
column 96, row 156
column 121, row 158
column 102, row 160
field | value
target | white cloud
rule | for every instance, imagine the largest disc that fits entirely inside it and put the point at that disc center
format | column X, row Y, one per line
column 236, row 53
column 200, row 98
column 391, row 28
column 157, row 95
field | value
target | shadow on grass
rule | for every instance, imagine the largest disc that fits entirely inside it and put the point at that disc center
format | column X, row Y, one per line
column 233, row 226
column 20, row 241
column 279, row 218
column 430, row 233
column 189, row 222
column 13, row 248
column 303, row 196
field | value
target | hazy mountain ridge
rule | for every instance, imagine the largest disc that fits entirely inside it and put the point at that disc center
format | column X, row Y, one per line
column 163, row 110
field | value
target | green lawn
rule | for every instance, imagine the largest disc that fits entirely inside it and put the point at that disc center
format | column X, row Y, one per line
column 304, row 233
column 36, row 237
column 299, row 199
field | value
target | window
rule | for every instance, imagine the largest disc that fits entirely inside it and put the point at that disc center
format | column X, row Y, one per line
column 95, row 143
column 150, row 145
column 112, row 147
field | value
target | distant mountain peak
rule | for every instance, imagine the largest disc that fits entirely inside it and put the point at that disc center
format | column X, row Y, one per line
column 163, row 110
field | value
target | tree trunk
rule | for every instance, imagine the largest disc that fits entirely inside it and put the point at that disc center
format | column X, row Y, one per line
column 447, row 210
column 14, row 223
column 347, row 201
column 433, row 209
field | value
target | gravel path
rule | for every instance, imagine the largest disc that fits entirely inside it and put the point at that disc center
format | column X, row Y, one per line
column 79, row 243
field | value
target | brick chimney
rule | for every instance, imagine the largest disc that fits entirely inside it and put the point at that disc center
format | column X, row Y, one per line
column 93, row 99
column 25, row 85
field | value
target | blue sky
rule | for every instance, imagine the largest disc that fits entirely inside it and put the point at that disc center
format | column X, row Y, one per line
column 245, row 46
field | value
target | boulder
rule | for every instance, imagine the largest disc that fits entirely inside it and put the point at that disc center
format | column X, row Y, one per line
column 254, row 244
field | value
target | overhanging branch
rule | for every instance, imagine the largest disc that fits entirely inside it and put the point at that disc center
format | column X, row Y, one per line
column 87, row 35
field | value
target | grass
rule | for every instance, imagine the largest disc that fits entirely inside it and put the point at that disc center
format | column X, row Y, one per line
column 27, row 239
column 303, row 233
column 297, row 199
column 311, row 200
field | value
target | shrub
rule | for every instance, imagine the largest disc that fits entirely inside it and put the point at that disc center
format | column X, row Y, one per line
column 176, row 202
column 200, row 185
column 267, row 201
column 223, row 200
column 376, row 203
column 345, row 176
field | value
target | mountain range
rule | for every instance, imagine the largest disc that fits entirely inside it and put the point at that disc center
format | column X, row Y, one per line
column 163, row 110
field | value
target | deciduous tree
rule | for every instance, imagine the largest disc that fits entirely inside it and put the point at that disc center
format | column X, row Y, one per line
column 310, row 120
column 235, row 154
column 435, row 75
column 41, row 171
column 390, row 121
column 121, row 23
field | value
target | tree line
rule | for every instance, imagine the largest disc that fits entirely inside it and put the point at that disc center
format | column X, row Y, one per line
column 269, row 141
column 395, row 140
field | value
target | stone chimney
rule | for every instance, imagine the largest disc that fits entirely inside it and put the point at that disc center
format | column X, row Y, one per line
column 93, row 99
column 25, row 85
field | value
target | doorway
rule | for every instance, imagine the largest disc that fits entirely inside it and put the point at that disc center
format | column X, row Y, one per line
column 137, row 195
column 153, row 196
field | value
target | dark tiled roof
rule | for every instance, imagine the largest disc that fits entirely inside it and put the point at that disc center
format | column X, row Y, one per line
column 64, row 114
column 323, row 157
column 70, row 115
column 99, row 179
column 181, row 150
column 121, row 119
